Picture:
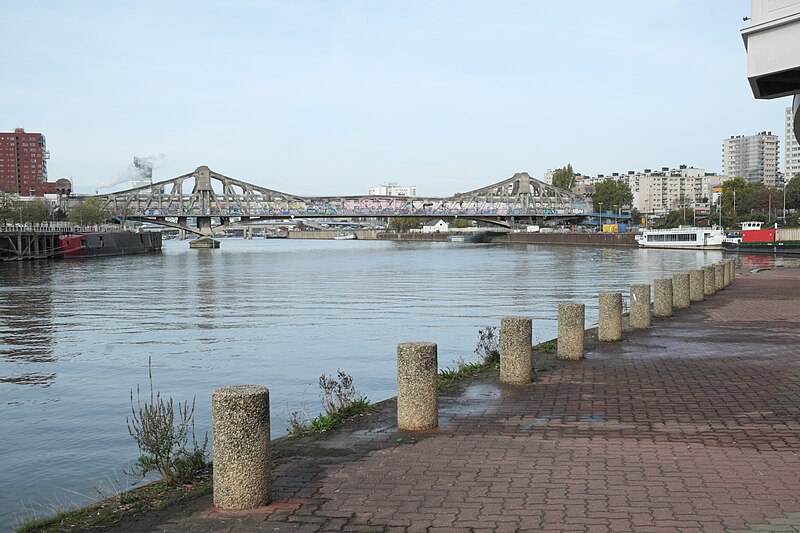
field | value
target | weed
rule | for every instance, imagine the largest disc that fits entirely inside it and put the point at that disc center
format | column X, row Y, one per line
column 336, row 395
column 546, row 346
column 163, row 440
column 488, row 347
column 340, row 401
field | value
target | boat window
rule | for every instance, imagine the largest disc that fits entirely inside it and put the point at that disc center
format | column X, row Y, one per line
column 672, row 237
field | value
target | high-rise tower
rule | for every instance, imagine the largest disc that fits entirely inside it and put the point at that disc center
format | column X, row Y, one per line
column 23, row 164
column 752, row 157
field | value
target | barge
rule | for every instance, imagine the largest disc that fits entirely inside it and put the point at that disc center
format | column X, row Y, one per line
column 99, row 244
column 754, row 239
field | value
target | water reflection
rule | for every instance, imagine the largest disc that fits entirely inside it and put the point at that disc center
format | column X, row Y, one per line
column 26, row 323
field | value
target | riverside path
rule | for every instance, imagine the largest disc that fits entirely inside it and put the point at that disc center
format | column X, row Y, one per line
column 691, row 425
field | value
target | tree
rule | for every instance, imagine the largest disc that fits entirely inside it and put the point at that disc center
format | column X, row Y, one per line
column 753, row 200
column 403, row 224
column 460, row 223
column 793, row 193
column 676, row 218
column 611, row 192
column 90, row 212
column 35, row 211
column 564, row 178
column 28, row 212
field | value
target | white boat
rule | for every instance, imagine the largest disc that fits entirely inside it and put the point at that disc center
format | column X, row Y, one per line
column 344, row 236
column 684, row 237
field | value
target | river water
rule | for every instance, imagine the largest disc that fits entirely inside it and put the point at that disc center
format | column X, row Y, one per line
column 75, row 336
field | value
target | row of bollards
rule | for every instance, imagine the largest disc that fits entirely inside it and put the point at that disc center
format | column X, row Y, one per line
column 242, row 474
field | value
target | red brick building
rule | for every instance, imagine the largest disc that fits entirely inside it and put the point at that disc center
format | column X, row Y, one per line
column 23, row 164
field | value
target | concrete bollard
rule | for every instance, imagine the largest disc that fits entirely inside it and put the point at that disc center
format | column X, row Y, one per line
column 680, row 291
column 516, row 338
column 242, row 476
column 662, row 297
column 733, row 270
column 709, row 280
column 697, row 283
column 571, row 329
column 417, row 386
column 640, row 306
column 719, row 276
column 726, row 272
column 609, row 326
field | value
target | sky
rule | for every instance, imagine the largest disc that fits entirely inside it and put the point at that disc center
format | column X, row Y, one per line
column 332, row 97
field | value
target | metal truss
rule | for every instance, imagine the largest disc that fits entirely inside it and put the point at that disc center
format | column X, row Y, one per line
column 204, row 195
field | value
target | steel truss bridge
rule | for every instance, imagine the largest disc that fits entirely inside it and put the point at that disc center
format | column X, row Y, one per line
column 203, row 195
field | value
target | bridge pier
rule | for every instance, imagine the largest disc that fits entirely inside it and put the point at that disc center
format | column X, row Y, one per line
column 204, row 225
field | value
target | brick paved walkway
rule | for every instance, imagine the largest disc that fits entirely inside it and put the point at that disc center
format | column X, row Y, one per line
column 692, row 425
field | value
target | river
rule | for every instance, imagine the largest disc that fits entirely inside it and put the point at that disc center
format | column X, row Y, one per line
column 75, row 336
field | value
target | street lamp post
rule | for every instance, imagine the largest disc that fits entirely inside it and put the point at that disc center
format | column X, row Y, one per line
column 784, row 202
column 769, row 208
column 600, row 224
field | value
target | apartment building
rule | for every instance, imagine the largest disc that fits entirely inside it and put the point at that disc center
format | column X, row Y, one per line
column 657, row 191
column 752, row 157
column 393, row 189
column 791, row 165
column 670, row 189
column 23, row 164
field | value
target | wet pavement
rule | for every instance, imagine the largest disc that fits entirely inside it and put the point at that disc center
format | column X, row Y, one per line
column 690, row 425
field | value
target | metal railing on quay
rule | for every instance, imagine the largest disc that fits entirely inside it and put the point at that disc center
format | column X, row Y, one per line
column 57, row 227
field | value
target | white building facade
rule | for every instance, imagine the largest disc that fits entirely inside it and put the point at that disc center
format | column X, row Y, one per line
column 656, row 191
column 668, row 190
column 791, row 165
column 393, row 189
column 752, row 157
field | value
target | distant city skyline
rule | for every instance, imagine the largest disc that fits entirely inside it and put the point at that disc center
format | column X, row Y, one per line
column 313, row 97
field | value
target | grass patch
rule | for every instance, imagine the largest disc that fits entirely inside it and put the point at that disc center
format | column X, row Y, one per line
column 340, row 401
column 448, row 377
column 325, row 421
column 546, row 346
column 119, row 509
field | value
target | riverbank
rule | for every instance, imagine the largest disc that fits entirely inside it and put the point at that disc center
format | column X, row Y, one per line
column 574, row 239
column 690, row 425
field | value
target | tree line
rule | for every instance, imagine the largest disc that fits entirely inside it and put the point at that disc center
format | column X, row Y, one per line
column 14, row 210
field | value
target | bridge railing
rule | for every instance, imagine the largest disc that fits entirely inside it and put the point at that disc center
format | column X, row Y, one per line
column 267, row 212
column 57, row 227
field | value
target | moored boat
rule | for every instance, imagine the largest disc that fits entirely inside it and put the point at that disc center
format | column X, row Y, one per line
column 684, row 237
column 96, row 244
column 473, row 237
column 754, row 239
column 344, row 236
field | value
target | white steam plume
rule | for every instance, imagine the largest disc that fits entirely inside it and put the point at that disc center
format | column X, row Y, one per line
column 132, row 172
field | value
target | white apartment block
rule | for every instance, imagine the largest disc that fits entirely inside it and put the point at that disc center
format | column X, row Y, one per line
column 752, row 157
column 670, row 189
column 392, row 189
column 657, row 191
column 791, row 149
